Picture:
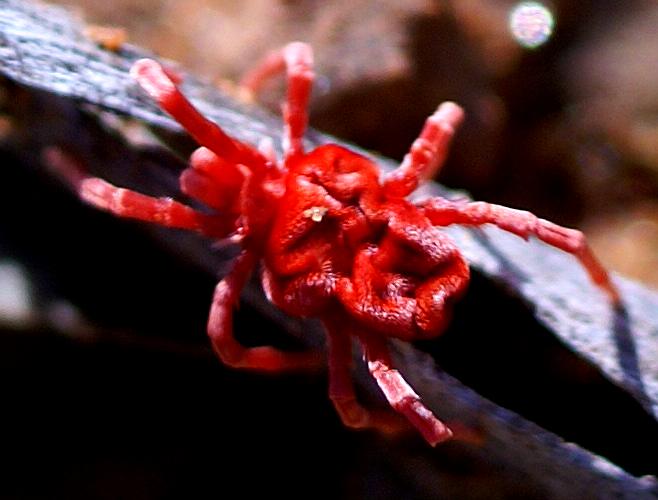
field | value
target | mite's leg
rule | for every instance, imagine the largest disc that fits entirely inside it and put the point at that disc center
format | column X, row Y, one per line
column 213, row 181
column 444, row 212
column 220, row 327
column 341, row 388
column 158, row 83
column 131, row 204
column 399, row 393
column 270, row 66
column 427, row 153
column 297, row 59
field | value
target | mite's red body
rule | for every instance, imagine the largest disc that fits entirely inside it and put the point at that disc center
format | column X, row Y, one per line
column 333, row 239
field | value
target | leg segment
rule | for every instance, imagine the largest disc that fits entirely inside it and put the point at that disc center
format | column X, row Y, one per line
column 133, row 205
column 444, row 212
column 213, row 181
column 158, row 83
column 220, row 327
column 299, row 63
column 399, row 393
column 270, row 66
column 341, row 389
column 427, row 153
column 297, row 59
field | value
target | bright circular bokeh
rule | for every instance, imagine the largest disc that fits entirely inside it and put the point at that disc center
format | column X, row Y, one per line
column 531, row 24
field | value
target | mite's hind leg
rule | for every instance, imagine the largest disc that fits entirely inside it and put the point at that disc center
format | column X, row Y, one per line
column 340, row 331
column 220, row 328
column 399, row 393
column 444, row 212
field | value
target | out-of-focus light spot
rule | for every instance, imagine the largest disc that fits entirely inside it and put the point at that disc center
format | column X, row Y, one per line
column 15, row 301
column 531, row 24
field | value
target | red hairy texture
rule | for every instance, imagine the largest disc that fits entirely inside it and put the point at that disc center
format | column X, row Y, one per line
column 332, row 241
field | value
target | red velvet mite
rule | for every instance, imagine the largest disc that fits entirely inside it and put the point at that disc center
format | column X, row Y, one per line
column 332, row 237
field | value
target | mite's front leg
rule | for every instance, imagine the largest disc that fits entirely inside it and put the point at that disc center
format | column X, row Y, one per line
column 159, row 84
column 131, row 204
column 297, row 59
